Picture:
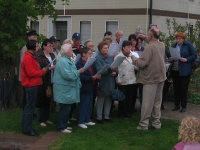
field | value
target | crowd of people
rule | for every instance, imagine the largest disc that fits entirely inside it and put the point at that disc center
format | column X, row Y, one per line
column 49, row 76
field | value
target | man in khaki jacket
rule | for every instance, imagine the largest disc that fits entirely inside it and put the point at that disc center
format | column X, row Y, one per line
column 152, row 74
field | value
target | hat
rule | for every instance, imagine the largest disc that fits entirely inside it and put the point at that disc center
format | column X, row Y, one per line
column 54, row 39
column 32, row 32
column 76, row 36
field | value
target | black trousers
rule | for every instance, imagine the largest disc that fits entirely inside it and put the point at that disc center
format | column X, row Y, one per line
column 126, row 107
column 165, row 91
column 73, row 107
column 180, row 84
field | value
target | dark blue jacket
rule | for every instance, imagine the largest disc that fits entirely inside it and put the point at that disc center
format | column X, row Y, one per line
column 187, row 51
column 86, row 77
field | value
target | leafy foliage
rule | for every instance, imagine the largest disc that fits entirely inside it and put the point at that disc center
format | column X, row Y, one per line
column 192, row 33
column 14, row 15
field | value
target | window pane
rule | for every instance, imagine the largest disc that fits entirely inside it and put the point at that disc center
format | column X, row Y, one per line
column 113, row 27
column 85, row 31
column 61, row 30
column 35, row 26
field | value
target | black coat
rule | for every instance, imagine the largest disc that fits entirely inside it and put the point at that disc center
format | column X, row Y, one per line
column 43, row 61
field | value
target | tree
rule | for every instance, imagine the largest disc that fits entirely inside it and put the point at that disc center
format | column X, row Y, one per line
column 192, row 33
column 14, row 15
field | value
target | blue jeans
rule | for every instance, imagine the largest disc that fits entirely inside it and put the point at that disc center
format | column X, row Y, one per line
column 27, row 117
column 63, row 116
column 85, row 108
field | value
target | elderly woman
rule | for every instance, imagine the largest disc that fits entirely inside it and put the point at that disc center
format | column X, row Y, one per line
column 108, row 40
column 31, row 79
column 86, row 96
column 68, row 41
column 182, row 71
column 106, row 83
column 66, row 86
column 44, row 58
column 126, row 81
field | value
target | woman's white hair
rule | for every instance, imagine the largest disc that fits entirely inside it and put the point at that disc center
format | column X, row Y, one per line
column 68, row 41
column 65, row 48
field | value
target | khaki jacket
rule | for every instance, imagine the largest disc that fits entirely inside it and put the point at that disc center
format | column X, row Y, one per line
column 151, row 64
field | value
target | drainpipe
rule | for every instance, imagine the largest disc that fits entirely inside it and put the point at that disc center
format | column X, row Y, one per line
column 150, row 12
column 147, row 13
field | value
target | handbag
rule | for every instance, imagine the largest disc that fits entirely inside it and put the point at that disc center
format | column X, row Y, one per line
column 117, row 95
column 48, row 91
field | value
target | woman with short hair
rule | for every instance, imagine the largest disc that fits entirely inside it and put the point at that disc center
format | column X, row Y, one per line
column 182, row 70
column 66, row 86
column 31, row 79
column 44, row 58
column 88, row 79
column 106, row 83
column 108, row 40
column 126, row 81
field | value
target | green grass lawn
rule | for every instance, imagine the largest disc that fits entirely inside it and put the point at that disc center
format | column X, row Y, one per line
column 120, row 135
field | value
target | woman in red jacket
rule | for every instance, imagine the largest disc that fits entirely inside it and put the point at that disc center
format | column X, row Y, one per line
column 31, row 79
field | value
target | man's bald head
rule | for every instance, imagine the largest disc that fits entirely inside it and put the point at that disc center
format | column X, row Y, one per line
column 155, row 32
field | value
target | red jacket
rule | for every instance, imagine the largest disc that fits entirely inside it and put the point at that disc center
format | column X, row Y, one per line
column 31, row 72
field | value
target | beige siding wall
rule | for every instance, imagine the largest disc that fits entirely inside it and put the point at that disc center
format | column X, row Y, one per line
column 178, row 5
column 43, row 25
column 127, row 24
column 102, row 4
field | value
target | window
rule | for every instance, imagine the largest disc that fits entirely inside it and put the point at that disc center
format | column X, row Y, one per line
column 35, row 26
column 113, row 27
column 85, row 31
column 61, row 30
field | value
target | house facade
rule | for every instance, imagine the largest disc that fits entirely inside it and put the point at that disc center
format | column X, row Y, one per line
column 92, row 18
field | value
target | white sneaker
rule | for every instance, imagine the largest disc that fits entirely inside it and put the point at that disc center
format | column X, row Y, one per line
column 66, row 131
column 49, row 122
column 82, row 126
column 69, row 128
column 90, row 123
column 73, row 119
column 42, row 124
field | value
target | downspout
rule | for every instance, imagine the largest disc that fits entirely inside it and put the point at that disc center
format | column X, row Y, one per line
column 150, row 12
column 147, row 13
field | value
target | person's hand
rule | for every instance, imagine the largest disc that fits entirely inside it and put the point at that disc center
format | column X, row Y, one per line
column 94, row 77
column 113, row 68
column 119, row 83
column 113, row 74
column 171, row 59
column 141, row 36
column 183, row 59
column 133, row 57
column 98, row 76
column 45, row 69
column 52, row 68
column 81, row 70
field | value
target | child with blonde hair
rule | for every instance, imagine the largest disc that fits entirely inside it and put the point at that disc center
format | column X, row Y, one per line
column 189, row 134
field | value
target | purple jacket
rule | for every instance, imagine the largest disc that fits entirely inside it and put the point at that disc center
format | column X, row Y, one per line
column 183, row 146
